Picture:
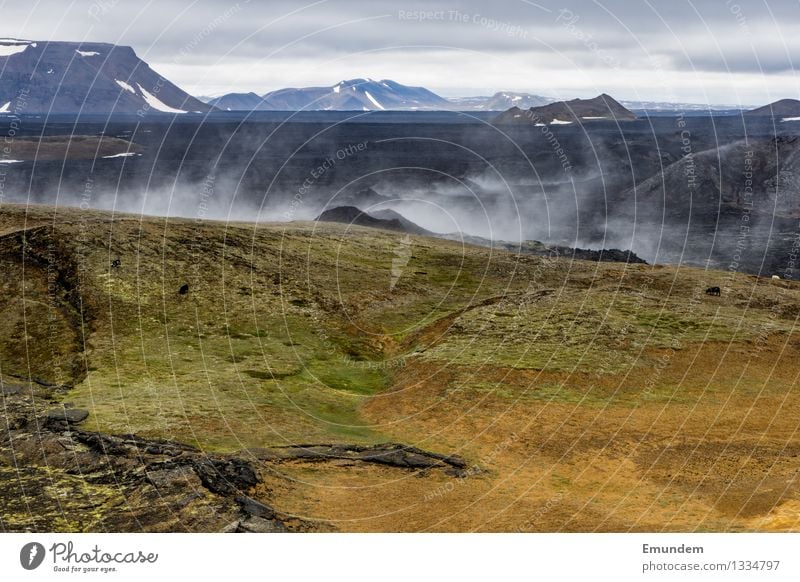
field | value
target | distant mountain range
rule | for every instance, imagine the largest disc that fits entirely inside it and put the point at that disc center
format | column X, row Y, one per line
column 369, row 95
column 499, row 101
column 602, row 107
column 667, row 106
column 350, row 95
column 70, row 77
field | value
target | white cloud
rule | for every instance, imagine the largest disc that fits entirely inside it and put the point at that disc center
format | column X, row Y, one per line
column 708, row 49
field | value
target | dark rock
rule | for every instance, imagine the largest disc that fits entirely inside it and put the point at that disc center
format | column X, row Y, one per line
column 261, row 518
column 260, row 525
column 67, row 415
column 390, row 454
column 255, row 508
column 131, row 444
column 540, row 249
column 103, row 444
column 555, row 251
column 136, row 483
column 226, row 477
column 173, row 478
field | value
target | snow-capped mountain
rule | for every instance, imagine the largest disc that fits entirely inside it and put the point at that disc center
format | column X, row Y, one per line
column 499, row 101
column 350, row 95
column 71, row 77
column 370, row 95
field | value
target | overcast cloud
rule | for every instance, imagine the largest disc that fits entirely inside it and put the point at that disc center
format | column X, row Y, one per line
column 718, row 51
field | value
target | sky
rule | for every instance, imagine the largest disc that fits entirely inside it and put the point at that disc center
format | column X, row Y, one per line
column 741, row 52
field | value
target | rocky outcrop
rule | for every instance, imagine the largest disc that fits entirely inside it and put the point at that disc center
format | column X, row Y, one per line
column 553, row 251
column 64, row 417
column 390, row 454
column 540, row 249
column 57, row 476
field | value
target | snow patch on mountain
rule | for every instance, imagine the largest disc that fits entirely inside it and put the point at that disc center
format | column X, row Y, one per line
column 156, row 103
column 6, row 50
column 151, row 100
column 373, row 100
column 123, row 155
column 87, row 53
column 125, row 86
